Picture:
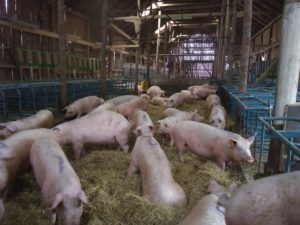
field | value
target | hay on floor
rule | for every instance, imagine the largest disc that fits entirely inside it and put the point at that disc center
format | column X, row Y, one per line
column 114, row 198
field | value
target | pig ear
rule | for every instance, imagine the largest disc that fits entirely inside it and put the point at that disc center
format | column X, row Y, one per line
column 233, row 142
column 138, row 131
column 65, row 109
column 251, row 139
column 82, row 197
column 11, row 127
column 223, row 200
column 151, row 128
column 2, row 125
column 58, row 199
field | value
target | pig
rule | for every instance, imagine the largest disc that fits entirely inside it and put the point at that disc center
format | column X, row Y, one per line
column 274, row 200
column 82, row 106
column 206, row 86
column 142, row 123
column 217, row 116
column 158, row 184
column 127, row 108
column 207, row 211
column 145, row 97
column 60, row 185
column 155, row 91
column 167, row 123
column 212, row 100
column 14, row 154
column 106, row 106
column 160, row 101
column 175, row 100
column 96, row 128
column 42, row 119
column 188, row 97
column 201, row 93
column 182, row 115
column 211, row 142
column 121, row 99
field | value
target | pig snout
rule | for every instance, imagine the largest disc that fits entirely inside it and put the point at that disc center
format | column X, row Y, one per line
column 250, row 159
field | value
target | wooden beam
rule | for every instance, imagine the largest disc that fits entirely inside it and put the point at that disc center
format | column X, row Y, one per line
column 267, row 73
column 245, row 53
column 232, row 41
column 123, row 33
column 103, row 70
column 62, row 51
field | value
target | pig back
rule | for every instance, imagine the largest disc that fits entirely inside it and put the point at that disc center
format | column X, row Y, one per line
column 121, row 99
column 158, row 183
column 205, row 212
column 50, row 163
column 20, row 145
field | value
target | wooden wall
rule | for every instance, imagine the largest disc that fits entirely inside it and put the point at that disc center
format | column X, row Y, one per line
column 266, row 43
column 32, row 24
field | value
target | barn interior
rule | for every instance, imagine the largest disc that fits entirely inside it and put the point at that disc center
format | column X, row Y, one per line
column 54, row 52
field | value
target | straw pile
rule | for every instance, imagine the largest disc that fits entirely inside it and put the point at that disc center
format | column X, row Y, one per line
column 115, row 199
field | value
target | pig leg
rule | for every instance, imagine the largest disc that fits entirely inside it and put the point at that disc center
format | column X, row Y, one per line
column 132, row 168
column 52, row 216
column 78, row 149
column 123, row 142
column 181, row 148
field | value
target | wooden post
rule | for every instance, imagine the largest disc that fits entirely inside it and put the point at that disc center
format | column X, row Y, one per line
column 232, row 41
column 148, row 57
column 220, row 43
column 103, row 70
column 245, row 53
column 62, row 52
column 137, row 26
column 289, row 59
column 158, row 43
column 225, row 50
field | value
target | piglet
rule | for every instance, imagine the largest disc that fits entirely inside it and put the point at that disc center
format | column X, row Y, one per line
column 60, row 184
column 127, row 108
column 207, row 211
column 176, row 100
column 142, row 123
column 105, row 127
column 212, row 100
column 107, row 106
column 121, row 99
column 157, row 181
column 82, row 106
column 42, row 119
column 160, row 101
column 155, row 91
column 201, row 93
column 211, row 142
column 273, row 200
column 217, row 116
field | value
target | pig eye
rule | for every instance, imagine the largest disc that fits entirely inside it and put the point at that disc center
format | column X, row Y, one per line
column 172, row 100
column 166, row 125
column 219, row 121
column 234, row 142
column 212, row 121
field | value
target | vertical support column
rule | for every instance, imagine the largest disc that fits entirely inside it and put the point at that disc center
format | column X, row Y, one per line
column 289, row 59
column 226, row 39
column 62, row 52
column 165, row 47
column 221, row 42
column 232, row 42
column 148, row 56
column 103, row 70
column 248, row 4
column 158, row 43
column 137, row 26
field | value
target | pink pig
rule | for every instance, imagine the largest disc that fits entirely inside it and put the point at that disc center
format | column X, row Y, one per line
column 211, row 142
